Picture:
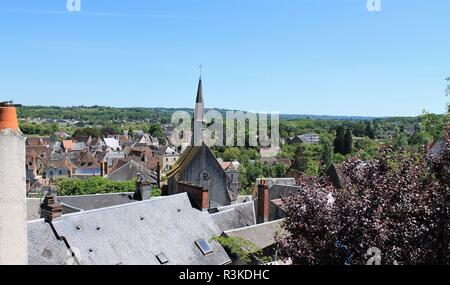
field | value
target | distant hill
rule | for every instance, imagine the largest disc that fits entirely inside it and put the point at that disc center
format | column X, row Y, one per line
column 102, row 114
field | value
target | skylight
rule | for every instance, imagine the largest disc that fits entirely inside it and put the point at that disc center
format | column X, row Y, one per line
column 204, row 246
column 162, row 258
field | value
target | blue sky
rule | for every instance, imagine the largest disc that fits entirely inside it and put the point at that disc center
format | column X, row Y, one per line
column 292, row 56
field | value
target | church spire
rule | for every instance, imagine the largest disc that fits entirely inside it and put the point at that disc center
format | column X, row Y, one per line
column 199, row 113
column 199, row 92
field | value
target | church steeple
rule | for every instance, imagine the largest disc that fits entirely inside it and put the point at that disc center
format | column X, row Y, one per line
column 199, row 104
column 199, row 91
column 199, row 113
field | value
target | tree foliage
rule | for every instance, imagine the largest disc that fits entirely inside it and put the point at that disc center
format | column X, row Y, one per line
column 243, row 249
column 96, row 185
column 398, row 202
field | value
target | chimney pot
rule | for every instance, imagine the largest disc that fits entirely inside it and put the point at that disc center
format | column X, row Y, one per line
column 8, row 116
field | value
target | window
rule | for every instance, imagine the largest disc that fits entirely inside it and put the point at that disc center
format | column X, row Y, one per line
column 204, row 246
column 162, row 258
column 51, row 173
column 60, row 172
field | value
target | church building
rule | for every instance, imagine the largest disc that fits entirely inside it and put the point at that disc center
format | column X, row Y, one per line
column 197, row 166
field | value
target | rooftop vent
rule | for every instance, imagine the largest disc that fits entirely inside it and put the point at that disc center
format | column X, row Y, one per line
column 162, row 258
column 204, row 246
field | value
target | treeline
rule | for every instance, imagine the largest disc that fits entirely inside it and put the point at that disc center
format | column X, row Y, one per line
column 95, row 115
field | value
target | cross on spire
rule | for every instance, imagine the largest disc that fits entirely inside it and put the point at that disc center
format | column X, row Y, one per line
column 200, row 68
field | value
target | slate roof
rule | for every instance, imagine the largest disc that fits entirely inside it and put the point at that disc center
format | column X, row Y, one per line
column 91, row 202
column 262, row 235
column 130, row 170
column 235, row 216
column 43, row 246
column 271, row 182
column 132, row 234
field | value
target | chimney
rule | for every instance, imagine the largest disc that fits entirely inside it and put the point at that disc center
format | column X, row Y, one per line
column 102, row 169
column 263, row 202
column 143, row 189
column 13, row 207
column 50, row 209
column 198, row 195
column 158, row 175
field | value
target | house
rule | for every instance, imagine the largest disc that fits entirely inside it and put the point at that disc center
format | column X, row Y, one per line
column 269, row 151
column 263, row 236
column 112, row 143
column 130, row 171
column 38, row 141
column 232, row 170
column 146, row 139
column 167, row 157
column 268, row 195
column 309, row 138
column 67, row 145
column 164, row 231
column 61, row 135
column 59, row 168
column 87, row 165
column 235, row 216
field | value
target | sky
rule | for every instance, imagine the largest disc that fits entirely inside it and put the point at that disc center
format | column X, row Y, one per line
column 320, row 57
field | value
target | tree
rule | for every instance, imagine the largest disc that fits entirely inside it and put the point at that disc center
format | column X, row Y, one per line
column 339, row 140
column 398, row 203
column 348, row 142
column 370, row 130
column 231, row 154
column 300, row 160
column 401, row 140
column 326, row 156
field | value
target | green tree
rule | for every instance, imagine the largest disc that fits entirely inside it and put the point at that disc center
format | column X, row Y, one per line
column 326, row 156
column 231, row 153
column 348, row 142
column 339, row 140
column 300, row 160
column 370, row 130
column 401, row 140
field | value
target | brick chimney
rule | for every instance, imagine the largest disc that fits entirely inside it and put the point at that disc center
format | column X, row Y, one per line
column 13, row 207
column 198, row 195
column 143, row 189
column 263, row 202
column 50, row 209
column 103, row 168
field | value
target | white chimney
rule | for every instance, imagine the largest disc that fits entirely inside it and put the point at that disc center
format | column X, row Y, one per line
column 13, row 207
